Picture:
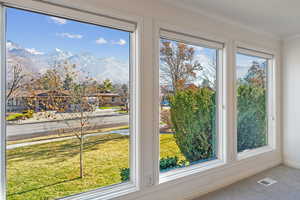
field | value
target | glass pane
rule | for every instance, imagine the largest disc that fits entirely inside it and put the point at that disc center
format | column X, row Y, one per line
column 188, row 104
column 251, row 102
column 67, row 106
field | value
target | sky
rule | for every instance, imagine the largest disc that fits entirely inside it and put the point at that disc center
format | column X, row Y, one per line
column 43, row 33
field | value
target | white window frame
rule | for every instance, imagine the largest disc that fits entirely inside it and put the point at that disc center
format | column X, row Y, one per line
column 171, row 32
column 128, row 23
column 270, row 56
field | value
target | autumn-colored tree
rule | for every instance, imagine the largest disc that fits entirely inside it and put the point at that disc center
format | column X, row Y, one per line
column 256, row 75
column 51, row 80
column 67, row 82
column 178, row 63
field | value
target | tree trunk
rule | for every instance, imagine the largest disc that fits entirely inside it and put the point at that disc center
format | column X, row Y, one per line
column 81, row 143
column 81, row 157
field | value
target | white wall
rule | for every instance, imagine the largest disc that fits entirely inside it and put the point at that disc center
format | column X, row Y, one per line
column 291, row 106
column 189, row 187
column 152, row 11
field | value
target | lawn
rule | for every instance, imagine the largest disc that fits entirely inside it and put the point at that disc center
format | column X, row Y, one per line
column 16, row 116
column 110, row 107
column 48, row 171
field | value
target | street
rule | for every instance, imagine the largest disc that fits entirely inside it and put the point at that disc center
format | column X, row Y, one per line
column 23, row 131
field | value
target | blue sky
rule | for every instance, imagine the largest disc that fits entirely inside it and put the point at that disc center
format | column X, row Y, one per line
column 45, row 33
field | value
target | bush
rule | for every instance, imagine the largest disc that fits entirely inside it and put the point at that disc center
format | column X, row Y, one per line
column 251, row 127
column 28, row 114
column 164, row 164
column 193, row 119
column 171, row 162
column 124, row 173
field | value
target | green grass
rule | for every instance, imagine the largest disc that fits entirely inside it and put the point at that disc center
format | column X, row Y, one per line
column 169, row 148
column 51, row 170
column 14, row 116
column 25, row 115
column 123, row 112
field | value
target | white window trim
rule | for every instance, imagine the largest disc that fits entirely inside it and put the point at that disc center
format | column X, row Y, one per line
column 270, row 55
column 190, row 170
column 2, row 108
column 194, row 37
column 128, row 23
column 56, row 8
column 189, row 39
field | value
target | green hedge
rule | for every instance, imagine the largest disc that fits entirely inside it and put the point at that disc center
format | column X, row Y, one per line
column 193, row 119
column 252, row 117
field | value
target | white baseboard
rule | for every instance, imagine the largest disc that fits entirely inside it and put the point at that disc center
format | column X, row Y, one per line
column 290, row 163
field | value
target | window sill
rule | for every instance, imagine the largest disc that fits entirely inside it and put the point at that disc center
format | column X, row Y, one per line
column 108, row 192
column 183, row 172
column 254, row 152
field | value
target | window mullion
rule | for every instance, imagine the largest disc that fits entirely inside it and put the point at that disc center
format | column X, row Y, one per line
column 2, row 105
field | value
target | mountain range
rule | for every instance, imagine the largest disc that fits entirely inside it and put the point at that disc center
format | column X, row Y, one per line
column 36, row 62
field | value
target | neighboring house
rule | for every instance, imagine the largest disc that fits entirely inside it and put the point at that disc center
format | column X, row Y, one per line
column 38, row 99
column 19, row 101
column 108, row 99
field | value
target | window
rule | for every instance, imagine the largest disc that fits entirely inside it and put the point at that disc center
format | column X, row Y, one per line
column 63, row 136
column 253, row 99
column 189, row 94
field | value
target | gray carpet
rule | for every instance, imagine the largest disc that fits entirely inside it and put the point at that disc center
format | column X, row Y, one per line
column 287, row 188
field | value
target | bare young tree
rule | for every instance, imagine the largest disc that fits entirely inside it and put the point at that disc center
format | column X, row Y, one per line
column 72, row 106
column 14, row 82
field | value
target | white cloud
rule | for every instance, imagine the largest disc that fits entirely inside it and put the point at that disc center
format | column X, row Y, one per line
column 34, row 51
column 58, row 20
column 101, row 41
column 120, row 42
column 197, row 48
column 70, row 35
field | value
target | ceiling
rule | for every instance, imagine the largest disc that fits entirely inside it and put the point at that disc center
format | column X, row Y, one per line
column 278, row 17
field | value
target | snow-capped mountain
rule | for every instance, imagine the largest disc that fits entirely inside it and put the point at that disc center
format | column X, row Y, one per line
column 31, row 60
column 100, row 69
